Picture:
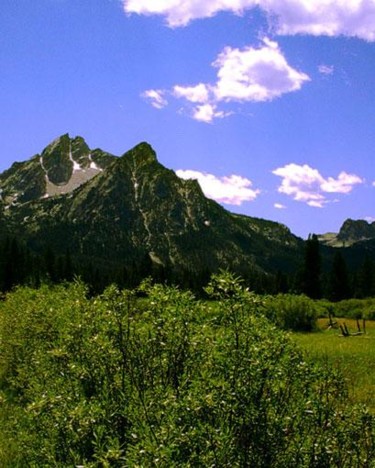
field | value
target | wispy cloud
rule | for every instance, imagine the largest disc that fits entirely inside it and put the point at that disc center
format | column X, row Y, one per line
column 231, row 190
column 156, row 97
column 244, row 75
column 279, row 206
column 288, row 17
column 326, row 69
column 306, row 184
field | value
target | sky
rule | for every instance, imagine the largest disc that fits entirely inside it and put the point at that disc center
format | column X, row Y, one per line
column 270, row 104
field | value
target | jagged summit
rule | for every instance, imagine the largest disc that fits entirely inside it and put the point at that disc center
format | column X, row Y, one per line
column 143, row 153
column 60, row 168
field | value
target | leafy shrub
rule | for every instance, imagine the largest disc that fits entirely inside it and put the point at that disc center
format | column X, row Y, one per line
column 114, row 382
column 291, row 312
column 356, row 308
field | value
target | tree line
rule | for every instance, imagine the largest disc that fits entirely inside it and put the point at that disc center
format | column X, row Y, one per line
column 330, row 279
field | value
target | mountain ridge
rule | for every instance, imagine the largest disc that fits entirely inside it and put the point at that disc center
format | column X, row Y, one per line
column 129, row 217
column 134, row 210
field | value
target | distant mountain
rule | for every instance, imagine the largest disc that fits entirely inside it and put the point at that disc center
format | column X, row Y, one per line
column 351, row 232
column 130, row 210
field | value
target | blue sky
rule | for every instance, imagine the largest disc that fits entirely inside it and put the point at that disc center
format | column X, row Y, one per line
column 270, row 104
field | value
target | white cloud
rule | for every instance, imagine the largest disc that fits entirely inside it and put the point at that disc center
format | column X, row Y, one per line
column 207, row 112
column 255, row 74
column 181, row 12
column 198, row 93
column 324, row 17
column 306, row 184
column 289, row 17
column 326, row 69
column 250, row 74
column 155, row 97
column 232, row 190
column 279, row 206
column 343, row 184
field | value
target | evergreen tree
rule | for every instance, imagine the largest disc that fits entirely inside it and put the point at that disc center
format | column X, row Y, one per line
column 365, row 286
column 311, row 284
column 339, row 287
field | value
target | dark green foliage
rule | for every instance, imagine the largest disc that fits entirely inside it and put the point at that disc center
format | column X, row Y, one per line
column 312, row 267
column 355, row 308
column 339, row 286
column 365, row 284
column 156, row 378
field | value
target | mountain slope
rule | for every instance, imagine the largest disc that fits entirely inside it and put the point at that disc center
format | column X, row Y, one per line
column 134, row 210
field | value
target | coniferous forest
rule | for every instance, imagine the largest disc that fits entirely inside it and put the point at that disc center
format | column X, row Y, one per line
column 333, row 280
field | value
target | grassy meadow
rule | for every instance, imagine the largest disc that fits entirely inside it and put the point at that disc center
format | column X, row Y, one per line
column 353, row 355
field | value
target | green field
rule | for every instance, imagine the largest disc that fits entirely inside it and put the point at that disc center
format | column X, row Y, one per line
column 353, row 355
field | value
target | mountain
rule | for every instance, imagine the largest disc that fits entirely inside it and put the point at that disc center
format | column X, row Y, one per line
column 63, row 166
column 119, row 211
column 351, row 232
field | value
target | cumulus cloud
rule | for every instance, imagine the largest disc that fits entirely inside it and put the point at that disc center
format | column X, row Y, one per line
column 252, row 74
column 231, row 190
column 306, row 184
column 155, row 97
column 255, row 74
column 324, row 17
column 288, row 17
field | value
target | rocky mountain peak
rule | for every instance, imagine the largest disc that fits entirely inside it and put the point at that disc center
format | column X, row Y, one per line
column 351, row 232
column 141, row 155
column 356, row 230
column 60, row 168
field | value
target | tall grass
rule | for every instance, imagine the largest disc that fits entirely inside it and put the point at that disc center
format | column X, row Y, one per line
column 353, row 355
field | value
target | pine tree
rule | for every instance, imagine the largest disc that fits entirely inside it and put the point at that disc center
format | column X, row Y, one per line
column 366, row 279
column 339, row 287
column 311, row 284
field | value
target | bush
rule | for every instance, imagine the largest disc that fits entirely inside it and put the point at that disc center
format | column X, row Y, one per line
column 104, row 382
column 356, row 309
column 291, row 312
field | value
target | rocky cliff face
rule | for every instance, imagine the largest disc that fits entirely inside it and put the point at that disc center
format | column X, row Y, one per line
column 355, row 231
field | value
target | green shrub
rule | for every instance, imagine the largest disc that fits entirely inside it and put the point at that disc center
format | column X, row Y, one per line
column 114, row 382
column 356, row 308
column 291, row 312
